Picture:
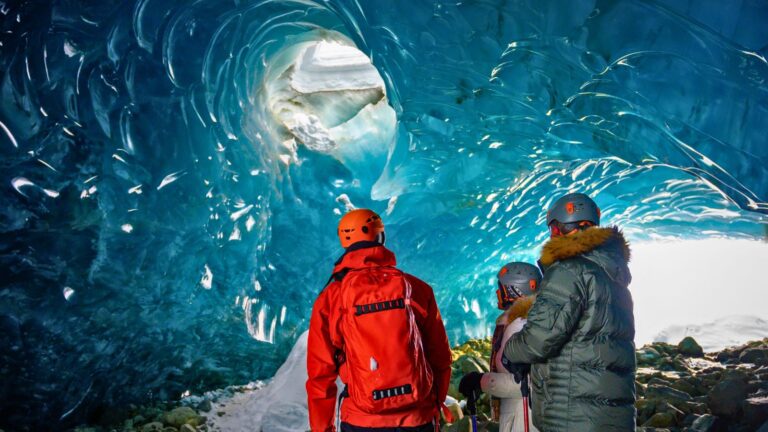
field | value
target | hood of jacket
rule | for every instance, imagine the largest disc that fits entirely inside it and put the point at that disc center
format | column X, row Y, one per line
column 606, row 247
column 519, row 309
column 365, row 254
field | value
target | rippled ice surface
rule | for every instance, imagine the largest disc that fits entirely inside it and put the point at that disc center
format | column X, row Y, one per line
column 162, row 231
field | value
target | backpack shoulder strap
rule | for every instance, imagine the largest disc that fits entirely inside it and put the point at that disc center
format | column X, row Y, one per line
column 337, row 277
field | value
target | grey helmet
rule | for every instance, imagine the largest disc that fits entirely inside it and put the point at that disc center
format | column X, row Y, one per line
column 515, row 280
column 573, row 207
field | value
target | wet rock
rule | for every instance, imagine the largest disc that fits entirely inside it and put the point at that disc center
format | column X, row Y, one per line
column 705, row 423
column 673, row 364
column 181, row 416
column 468, row 364
column 661, row 420
column 666, row 393
column 187, row 428
column 757, row 387
column 645, row 409
column 690, row 348
column 204, row 406
column 755, row 411
column 757, row 356
column 647, row 356
column 691, row 385
column 152, row 427
column 725, row 399
column 659, row 382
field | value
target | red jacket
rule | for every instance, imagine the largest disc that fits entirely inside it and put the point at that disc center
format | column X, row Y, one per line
column 325, row 341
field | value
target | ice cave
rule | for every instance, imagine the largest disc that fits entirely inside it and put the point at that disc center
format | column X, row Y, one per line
column 173, row 172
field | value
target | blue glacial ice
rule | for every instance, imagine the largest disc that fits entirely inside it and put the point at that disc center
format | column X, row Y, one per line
column 173, row 171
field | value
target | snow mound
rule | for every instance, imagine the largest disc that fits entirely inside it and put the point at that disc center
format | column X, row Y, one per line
column 717, row 335
column 279, row 406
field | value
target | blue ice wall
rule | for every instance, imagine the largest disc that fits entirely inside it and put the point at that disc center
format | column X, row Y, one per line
column 158, row 237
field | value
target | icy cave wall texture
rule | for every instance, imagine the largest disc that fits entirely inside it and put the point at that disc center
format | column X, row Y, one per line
column 163, row 231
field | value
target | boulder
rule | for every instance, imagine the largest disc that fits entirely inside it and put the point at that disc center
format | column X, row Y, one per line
column 726, row 398
column 690, row 348
column 661, row 420
column 468, row 363
column 645, row 409
column 691, row 385
column 755, row 411
column 152, row 427
column 204, row 406
column 181, row 416
column 757, row 387
column 666, row 393
column 647, row 356
column 705, row 423
column 758, row 356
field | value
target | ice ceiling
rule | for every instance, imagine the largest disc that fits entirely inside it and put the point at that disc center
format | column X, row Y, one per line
column 173, row 171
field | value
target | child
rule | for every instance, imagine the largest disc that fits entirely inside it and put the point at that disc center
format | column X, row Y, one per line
column 517, row 284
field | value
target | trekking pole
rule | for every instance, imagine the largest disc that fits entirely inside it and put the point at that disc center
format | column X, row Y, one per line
column 526, row 391
column 472, row 411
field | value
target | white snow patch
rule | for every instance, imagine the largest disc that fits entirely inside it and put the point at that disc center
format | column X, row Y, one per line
column 717, row 335
column 279, row 406
column 699, row 281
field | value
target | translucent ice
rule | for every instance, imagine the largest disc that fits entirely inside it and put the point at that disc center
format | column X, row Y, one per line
column 155, row 163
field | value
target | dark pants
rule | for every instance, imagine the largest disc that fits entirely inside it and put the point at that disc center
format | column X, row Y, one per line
column 429, row 427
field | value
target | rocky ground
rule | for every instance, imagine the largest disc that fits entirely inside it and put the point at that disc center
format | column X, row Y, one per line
column 679, row 387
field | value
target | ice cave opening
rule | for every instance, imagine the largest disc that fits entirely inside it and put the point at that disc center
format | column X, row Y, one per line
column 325, row 94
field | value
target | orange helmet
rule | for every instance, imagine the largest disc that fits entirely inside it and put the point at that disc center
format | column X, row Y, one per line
column 360, row 225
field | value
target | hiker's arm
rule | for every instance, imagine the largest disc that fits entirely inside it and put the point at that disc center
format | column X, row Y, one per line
column 552, row 319
column 321, row 368
column 437, row 349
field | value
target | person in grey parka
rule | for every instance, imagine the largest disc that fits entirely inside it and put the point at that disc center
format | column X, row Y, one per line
column 579, row 337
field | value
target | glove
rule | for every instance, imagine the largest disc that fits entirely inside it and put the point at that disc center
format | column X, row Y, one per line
column 518, row 370
column 469, row 385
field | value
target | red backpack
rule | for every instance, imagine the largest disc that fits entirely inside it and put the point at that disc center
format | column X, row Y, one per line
column 388, row 371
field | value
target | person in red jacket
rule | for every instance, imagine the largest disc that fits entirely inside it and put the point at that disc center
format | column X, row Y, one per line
column 380, row 331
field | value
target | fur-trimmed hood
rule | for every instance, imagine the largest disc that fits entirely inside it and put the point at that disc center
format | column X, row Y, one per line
column 519, row 309
column 606, row 247
column 583, row 242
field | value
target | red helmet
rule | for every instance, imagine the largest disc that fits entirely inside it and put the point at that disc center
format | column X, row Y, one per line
column 360, row 225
